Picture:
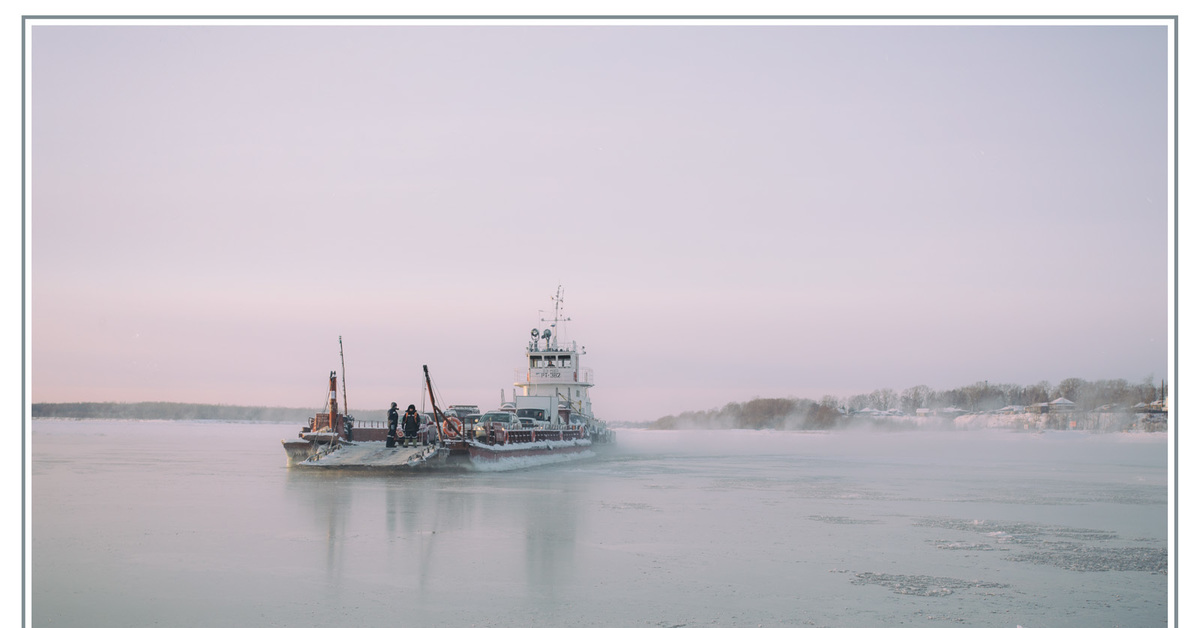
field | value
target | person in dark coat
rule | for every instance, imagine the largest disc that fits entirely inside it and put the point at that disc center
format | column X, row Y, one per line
column 412, row 423
column 393, row 420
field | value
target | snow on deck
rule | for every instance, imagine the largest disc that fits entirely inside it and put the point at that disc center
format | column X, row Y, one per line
column 372, row 454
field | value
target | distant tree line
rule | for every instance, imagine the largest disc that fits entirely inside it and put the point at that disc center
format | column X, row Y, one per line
column 984, row 396
column 163, row 410
column 831, row 411
column 757, row 414
column 169, row 411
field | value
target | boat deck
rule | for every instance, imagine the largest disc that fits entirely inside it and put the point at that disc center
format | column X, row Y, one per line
column 373, row 454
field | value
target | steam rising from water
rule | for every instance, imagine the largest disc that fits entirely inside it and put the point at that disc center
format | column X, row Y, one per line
column 926, row 447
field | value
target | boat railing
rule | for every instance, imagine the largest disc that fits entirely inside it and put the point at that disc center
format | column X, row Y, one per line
column 495, row 435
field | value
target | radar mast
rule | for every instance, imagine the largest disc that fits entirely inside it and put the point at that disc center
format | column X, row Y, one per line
column 552, row 333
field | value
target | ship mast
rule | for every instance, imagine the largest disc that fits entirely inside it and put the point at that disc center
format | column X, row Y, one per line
column 437, row 413
column 558, row 300
column 345, row 399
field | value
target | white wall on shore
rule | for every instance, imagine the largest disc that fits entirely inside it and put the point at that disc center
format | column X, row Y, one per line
column 1090, row 421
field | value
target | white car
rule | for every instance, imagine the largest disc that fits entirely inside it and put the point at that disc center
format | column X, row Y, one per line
column 499, row 416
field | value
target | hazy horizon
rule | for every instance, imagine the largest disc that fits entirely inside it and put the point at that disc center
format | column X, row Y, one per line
column 732, row 211
column 1052, row 386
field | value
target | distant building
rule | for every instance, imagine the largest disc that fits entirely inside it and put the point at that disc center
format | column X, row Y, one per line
column 1062, row 404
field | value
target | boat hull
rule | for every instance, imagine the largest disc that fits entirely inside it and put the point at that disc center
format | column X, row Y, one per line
column 509, row 458
column 309, row 445
column 450, row 454
column 373, row 455
column 484, row 452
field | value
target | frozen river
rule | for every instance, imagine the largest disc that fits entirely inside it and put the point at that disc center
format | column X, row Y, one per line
column 147, row 523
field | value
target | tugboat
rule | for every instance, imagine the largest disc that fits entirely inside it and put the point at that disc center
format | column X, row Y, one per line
column 333, row 440
column 551, row 420
column 331, row 432
column 323, row 431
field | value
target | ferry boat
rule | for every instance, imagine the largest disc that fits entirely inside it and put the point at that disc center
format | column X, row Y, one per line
column 550, row 420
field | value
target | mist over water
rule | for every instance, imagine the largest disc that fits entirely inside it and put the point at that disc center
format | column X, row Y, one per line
column 202, row 524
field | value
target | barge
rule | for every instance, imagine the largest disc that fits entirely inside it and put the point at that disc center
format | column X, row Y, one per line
column 549, row 420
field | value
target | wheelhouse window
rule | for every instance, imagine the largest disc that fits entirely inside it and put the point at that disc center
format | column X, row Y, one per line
column 550, row 361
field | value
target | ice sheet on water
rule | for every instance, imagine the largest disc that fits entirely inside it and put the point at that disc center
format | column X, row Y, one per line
column 926, row 586
column 841, row 520
column 1079, row 557
column 629, row 506
column 963, row 545
column 1074, row 549
column 1053, row 493
column 1015, row 532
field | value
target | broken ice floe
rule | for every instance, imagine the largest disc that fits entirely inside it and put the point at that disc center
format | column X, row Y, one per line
column 841, row 520
column 1084, row 558
column 963, row 545
column 925, row 586
column 1074, row 549
column 1015, row 532
column 628, row 506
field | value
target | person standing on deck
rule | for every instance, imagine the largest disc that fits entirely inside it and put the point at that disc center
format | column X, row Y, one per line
column 393, row 420
column 412, row 423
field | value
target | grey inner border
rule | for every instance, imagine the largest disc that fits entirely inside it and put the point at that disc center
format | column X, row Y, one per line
column 24, row 144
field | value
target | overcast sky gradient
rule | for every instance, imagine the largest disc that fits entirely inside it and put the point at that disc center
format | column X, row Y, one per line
column 733, row 211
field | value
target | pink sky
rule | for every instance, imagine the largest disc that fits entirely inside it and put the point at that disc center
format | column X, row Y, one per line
column 732, row 211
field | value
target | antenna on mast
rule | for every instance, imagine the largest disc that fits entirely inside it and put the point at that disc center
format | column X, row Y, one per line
column 558, row 300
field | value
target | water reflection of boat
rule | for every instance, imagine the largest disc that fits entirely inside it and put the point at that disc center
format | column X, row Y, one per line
column 413, row 529
column 551, row 420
